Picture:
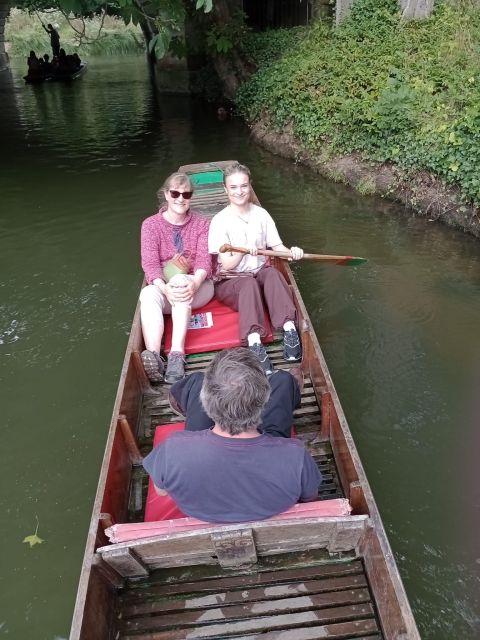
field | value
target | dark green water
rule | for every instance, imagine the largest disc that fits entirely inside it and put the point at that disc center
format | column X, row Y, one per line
column 79, row 169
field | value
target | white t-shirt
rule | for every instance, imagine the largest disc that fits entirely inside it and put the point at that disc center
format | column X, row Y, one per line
column 257, row 228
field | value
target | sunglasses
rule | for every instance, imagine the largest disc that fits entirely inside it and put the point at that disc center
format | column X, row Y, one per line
column 185, row 194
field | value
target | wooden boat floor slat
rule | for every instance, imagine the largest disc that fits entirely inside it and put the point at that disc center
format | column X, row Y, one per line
column 272, row 600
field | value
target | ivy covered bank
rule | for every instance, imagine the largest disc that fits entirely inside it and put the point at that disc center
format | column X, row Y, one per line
column 387, row 105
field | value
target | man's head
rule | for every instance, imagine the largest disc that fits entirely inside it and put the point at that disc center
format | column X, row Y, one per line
column 235, row 390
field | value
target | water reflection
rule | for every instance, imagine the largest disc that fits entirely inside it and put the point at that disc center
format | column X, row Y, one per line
column 400, row 333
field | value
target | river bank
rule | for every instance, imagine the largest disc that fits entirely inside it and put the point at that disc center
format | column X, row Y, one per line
column 422, row 193
column 387, row 106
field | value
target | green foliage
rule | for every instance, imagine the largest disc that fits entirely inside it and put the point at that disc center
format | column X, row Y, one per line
column 404, row 92
column 24, row 32
column 221, row 38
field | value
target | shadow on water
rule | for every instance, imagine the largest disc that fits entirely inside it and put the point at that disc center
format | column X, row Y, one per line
column 400, row 334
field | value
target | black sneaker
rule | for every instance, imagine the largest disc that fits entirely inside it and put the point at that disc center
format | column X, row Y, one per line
column 259, row 350
column 175, row 367
column 153, row 365
column 292, row 349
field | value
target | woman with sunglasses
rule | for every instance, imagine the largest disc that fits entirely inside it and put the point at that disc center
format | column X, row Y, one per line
column 249, row 279
column 177, row 266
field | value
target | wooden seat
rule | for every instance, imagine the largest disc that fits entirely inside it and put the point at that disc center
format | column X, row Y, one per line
column 235, row 544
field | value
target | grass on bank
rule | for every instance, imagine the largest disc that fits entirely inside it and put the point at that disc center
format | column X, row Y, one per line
column 24, row 32
column 405, row 92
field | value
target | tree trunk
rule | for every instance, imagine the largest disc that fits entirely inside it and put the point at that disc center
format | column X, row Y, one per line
column 416, row 9
column 411, row 9
column 4, row 11
column 233, row 68
column 148, row 35
column 341, row 9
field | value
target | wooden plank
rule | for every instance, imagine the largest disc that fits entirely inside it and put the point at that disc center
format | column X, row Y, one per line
column 125, row 562
column 234, row 548
column 111, row 576
column 359, row 629
column 139, row 591
column 130, row 440
column 295, row 605
column 266, row 623
column 277, row 592
column 340, row 631
column 271, row 537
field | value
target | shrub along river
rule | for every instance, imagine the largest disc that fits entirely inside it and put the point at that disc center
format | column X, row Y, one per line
column 79, row 169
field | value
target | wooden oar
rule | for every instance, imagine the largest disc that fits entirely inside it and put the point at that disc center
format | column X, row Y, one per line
column 344, row 261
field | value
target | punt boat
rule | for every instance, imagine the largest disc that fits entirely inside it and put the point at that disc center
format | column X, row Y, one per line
column 308, row 573
column 59, row 76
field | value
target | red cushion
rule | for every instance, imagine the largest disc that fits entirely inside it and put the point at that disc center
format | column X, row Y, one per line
column 162, row 507
column 223, row 334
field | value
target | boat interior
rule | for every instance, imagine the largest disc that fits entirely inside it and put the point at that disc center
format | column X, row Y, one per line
column 288, row 578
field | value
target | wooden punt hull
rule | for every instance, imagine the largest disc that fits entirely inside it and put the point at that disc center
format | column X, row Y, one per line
column 57, row 77
column 330, row 577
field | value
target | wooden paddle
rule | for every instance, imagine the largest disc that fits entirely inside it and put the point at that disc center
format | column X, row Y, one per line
column 344, row 261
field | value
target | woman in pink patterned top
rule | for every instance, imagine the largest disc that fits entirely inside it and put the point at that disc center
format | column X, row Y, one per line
column 178, row 270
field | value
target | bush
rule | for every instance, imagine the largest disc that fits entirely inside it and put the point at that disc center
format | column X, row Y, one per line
column 406, row 92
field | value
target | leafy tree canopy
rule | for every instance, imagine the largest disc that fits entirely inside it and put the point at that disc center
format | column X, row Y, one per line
column 164, row 19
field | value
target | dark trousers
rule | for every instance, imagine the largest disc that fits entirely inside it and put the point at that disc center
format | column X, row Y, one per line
column 277, row 417
column 246, row 294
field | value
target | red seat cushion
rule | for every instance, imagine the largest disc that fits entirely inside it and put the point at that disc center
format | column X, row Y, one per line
column 223, row 334
column 162, row 507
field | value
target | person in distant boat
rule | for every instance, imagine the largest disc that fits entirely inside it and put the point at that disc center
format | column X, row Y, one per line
column 178, row 270
column 76, row 61
column 233, row 472
column 47, row 65
column 63, row 62
column 249, row 279
column 33, row 64
column 54, row 39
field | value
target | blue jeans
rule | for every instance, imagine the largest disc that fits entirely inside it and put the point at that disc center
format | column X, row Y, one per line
column 277, row 416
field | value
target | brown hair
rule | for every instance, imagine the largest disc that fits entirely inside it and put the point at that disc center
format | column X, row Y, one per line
column 235, row 167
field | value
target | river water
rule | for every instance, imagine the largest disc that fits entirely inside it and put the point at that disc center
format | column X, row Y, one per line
column 79, row 169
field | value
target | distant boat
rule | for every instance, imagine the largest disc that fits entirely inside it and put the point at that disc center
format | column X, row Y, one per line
column 63, row 76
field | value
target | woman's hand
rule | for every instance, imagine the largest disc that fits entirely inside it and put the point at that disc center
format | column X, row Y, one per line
column 297, row 253
column 180, row 291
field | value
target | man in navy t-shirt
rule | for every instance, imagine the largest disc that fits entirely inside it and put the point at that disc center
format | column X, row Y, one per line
column 232, row 472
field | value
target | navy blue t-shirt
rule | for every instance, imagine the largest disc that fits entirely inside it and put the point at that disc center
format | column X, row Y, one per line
column 219, row 479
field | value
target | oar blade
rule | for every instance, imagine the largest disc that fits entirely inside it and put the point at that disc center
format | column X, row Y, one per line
column 351, row 261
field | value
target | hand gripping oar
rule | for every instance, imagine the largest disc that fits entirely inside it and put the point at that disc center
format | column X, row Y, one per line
column 344, row 261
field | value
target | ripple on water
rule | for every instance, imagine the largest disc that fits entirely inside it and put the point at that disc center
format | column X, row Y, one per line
column 10, row 333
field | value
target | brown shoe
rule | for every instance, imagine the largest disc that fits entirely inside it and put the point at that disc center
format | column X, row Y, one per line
column 174, row 406
column 297, row 373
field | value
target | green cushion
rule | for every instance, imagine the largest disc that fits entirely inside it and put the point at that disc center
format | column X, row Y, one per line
column 207, row 177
